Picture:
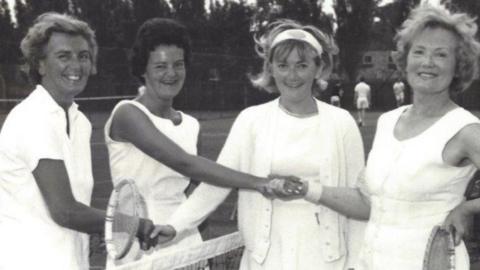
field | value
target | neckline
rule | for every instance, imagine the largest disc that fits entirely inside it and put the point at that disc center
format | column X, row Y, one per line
column 298, row 115
column 182, row 117
column 403, row 110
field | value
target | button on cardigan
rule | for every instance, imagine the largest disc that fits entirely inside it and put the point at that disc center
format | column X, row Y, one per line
column 249, row 148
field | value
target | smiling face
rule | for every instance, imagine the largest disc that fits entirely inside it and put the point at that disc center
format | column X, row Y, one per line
column 431, row 61
column 165, row 72
column 66, row 67
column 294, row 75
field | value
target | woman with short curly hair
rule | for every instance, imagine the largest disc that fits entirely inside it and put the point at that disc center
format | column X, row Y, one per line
column 423, row 154
column 46, row 179
column 460, row 24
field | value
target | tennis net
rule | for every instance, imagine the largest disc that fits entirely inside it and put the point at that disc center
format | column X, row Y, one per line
column 221, row 253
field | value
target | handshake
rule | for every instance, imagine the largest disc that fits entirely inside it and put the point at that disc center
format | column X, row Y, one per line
column 283, row 187
column 274, row 187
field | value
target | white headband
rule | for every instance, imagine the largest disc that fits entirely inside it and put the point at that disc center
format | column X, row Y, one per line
column 298, row 34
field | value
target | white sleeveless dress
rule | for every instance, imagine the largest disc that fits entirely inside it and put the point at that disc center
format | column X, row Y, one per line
column 411, row 190
column 162, row 188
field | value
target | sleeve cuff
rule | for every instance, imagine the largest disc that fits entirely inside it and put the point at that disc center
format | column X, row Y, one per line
column 177, row 224
column 314, row 192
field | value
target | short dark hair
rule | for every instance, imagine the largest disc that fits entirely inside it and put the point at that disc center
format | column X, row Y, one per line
column 155, row 32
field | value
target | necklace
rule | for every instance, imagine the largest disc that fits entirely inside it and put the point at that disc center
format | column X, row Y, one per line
column 297, row 115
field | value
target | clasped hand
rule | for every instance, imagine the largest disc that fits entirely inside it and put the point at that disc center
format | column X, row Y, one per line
column 284, row 187
column 277, row 187
column 459, row 222
column 151, row 235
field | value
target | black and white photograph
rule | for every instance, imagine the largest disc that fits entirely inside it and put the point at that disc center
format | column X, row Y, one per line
column 239, row 134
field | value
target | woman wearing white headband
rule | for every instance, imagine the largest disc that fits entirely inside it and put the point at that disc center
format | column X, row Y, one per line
column 291, row 135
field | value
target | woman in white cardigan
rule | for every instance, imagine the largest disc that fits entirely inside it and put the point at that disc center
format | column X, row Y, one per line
column 291, row 135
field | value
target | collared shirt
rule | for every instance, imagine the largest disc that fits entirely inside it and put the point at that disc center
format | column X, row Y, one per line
column 37, row 129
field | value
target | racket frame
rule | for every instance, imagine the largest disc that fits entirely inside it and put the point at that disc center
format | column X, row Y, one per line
column 113, row 203
column 450, row 247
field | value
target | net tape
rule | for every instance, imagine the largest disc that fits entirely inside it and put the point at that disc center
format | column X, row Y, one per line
column 178, row 258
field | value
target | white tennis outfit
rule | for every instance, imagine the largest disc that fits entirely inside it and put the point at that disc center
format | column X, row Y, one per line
column 363, row 90
column 411, row 190
column 34, row 130
column 278, row 235
column 398, row 90
column 295, row 228
column 162, row 188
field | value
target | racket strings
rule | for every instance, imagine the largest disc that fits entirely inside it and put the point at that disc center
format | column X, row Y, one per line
column 125, row 223
column 440, row 252
column 123, row 215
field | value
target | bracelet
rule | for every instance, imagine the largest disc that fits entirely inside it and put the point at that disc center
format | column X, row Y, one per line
column 314, row 192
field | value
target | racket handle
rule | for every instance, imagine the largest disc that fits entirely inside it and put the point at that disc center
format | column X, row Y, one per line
column 145, row 228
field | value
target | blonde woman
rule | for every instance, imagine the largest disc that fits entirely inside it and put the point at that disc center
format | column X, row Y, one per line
column 423, row 154
column 294, row 134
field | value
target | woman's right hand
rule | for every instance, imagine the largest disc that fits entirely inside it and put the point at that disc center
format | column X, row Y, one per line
column 151, row 235
column 163, row 233
column 144, row 231
column 285, row 187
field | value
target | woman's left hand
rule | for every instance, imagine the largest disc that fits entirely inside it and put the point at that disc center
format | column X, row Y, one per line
column 459, row 222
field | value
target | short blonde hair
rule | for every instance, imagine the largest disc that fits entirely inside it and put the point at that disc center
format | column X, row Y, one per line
column 460, row 24
column 263, row 48
column 33, row 44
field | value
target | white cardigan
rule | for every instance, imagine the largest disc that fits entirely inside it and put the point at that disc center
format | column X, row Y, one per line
column 249, row 149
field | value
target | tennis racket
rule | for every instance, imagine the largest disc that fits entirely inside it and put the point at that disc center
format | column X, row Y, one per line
column 125, row 208
column 440, row 252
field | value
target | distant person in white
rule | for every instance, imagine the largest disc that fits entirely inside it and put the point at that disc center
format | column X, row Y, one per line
column 362, row 99
column 398, row 91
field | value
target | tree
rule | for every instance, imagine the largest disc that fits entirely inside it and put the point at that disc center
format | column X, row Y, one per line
column 401, row 10
column 387, row 21
column 192, row 11
column 112, row 20
column 21, row 13
column 354, row 20
column 7, row 51
column 303, row 11
column 228, row 27
column 308, row 12
column 471, row 7
column 37, row 7
column 120, row 23
column 146, row 9
column 8, row 46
